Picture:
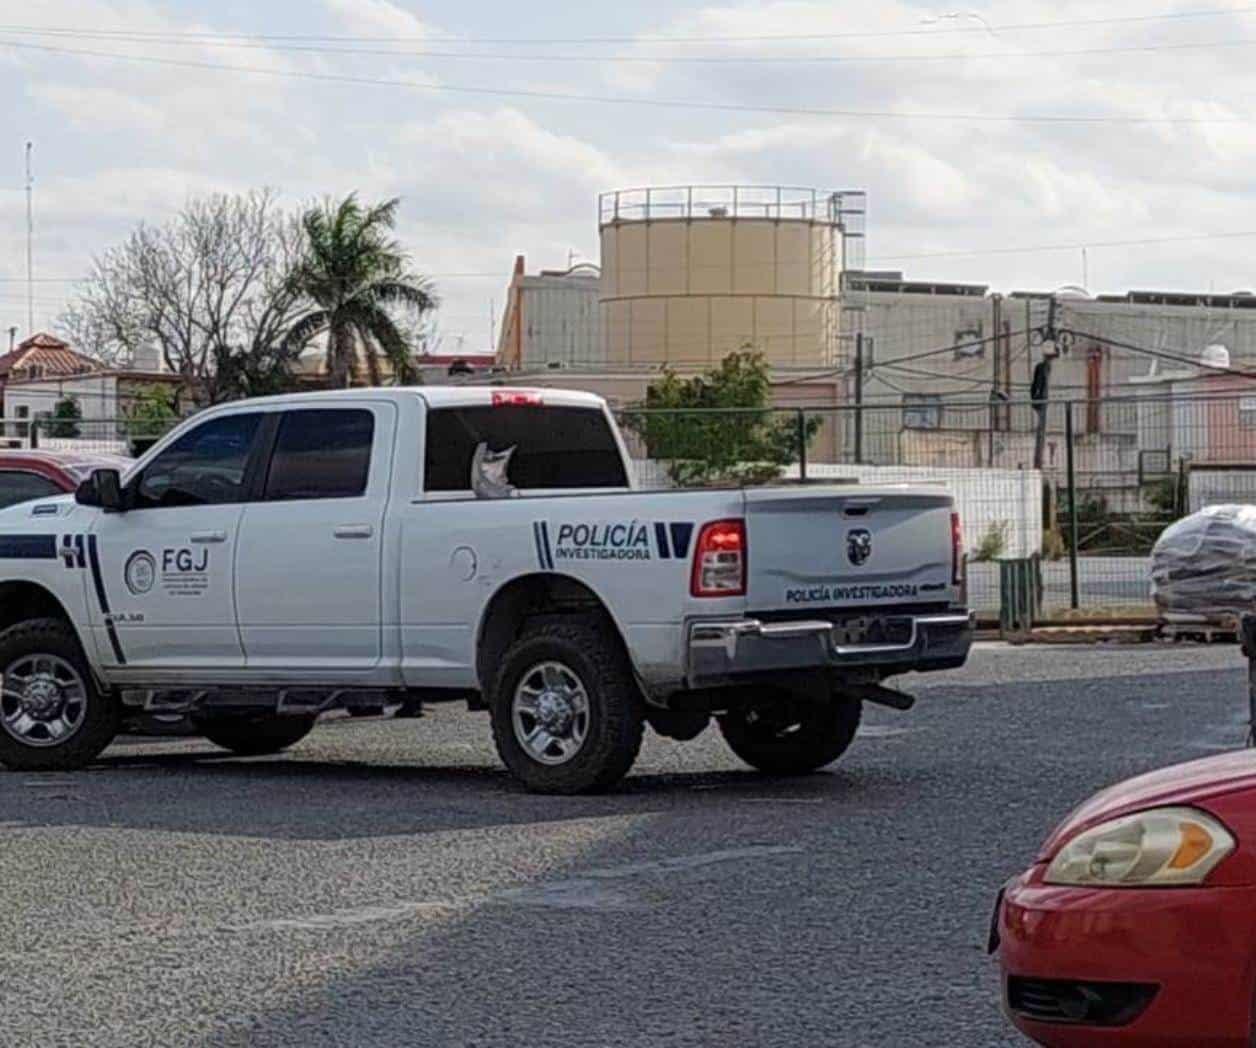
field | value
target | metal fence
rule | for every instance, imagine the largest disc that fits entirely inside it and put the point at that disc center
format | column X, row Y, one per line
column 128, row 437
column 1085, row 486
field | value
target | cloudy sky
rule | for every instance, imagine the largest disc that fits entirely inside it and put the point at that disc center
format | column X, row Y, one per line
column 977, row 133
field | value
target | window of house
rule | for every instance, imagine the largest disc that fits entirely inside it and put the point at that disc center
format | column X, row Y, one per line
column 321, row 454
column 922, row 411
column 968, row 342
column 558, row 448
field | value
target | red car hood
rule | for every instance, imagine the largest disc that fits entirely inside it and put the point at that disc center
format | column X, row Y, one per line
column 1179, row 784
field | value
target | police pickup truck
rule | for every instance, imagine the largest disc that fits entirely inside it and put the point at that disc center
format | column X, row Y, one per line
column 276, row 558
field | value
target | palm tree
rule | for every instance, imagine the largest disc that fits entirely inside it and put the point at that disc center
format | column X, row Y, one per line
column 352, row 271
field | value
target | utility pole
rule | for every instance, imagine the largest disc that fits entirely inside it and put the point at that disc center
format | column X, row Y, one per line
column 30, row 235
column 858, row 397
column 1040, row 387
column 996, row 345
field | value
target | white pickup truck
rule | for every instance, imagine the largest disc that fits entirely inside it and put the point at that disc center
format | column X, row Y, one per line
column 276, row 558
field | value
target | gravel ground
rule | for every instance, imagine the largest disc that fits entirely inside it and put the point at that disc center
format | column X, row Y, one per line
column 386, row 884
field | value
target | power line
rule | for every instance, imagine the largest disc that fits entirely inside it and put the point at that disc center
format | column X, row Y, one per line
column 952, row 348
column 601, row 59
column 1067, row 247
column 620, row 100
column 705, row 39
column 1160, row 353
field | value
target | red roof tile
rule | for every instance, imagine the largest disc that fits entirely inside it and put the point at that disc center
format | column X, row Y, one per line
column 48, row 353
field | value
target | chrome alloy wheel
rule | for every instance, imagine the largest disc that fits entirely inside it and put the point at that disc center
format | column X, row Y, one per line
column 43, row 700
column 550, row 713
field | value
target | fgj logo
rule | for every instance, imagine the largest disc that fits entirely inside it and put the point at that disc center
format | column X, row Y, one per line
column 858, row 545
column 184, row 561
column 140, row 572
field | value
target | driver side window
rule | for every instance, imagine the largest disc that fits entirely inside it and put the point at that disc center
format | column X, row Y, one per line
column 205, row 466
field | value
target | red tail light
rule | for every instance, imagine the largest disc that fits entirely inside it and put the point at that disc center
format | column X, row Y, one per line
column 521, row 399
column 957, row 550
column 719, row 560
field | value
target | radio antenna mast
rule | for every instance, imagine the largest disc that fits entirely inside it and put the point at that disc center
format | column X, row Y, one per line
column 30, row 236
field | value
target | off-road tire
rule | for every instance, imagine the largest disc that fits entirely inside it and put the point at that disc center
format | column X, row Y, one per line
column 824, row 732
column 616, row 710
column 101, row 719
column 255, row 736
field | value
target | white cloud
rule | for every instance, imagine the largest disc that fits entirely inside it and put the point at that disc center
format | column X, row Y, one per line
column 377, row 16
column 482, row 178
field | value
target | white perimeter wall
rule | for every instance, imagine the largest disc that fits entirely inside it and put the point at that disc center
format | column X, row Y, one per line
column 984, row 497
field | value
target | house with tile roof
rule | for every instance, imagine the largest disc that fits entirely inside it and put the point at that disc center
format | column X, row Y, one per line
column 43, row 371
column 43, row 356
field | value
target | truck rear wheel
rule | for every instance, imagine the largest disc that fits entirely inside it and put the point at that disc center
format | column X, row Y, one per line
column 567, row 714
column 790, row 736
column 254, row 736
column 52, row 716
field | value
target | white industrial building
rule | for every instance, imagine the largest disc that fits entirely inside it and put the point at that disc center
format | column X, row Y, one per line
column 942, row 369
column 551, row 317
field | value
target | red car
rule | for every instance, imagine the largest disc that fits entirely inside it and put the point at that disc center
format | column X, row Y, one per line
column 1136, row 925
column 26, row 475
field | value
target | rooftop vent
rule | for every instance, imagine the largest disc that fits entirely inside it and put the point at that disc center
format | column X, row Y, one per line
column 1215, row 356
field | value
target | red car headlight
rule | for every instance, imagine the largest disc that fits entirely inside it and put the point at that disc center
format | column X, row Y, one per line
column 1159, row 847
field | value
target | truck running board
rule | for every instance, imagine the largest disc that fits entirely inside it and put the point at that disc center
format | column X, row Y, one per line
column 286, row 701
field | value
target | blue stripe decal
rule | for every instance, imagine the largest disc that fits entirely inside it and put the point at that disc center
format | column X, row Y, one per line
column 536, row 538
column 660, row 535
column 681, row 534
column 28, row 547
column 94, row 557
column 545, row 542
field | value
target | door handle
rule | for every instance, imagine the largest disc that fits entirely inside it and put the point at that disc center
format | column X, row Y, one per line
column 354, row 531
column 205, row 537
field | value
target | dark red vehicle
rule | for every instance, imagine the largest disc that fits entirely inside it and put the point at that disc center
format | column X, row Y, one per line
column 26, row 475
column 1136, row 925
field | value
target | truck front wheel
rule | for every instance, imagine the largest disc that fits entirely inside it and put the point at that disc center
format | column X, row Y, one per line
column 52, row 716
column 254, row 736
column 567, row 714
column 791, row 736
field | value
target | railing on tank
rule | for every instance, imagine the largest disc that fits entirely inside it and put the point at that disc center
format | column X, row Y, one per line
column 842, row 207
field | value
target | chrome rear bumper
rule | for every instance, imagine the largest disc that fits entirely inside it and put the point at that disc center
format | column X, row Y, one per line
column 726, row 651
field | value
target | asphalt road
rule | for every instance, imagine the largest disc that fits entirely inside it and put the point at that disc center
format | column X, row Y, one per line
column 386, row 884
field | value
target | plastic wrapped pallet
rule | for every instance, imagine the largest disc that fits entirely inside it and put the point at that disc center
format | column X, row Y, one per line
column 1205, row 564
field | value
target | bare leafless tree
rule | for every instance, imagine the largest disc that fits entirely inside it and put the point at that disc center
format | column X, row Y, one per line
column 211, row 290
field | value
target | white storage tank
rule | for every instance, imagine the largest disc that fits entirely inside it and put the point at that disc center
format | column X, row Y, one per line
column 692, row 273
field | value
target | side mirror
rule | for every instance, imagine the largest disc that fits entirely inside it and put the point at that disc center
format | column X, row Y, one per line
column 104, row 489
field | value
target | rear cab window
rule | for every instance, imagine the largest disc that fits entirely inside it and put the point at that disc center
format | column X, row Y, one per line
column 555, row 448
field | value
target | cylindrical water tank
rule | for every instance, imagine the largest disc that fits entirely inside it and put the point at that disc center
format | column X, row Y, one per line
column 692, row 273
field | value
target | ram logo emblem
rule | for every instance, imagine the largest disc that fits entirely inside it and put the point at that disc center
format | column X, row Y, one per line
column 858, row 545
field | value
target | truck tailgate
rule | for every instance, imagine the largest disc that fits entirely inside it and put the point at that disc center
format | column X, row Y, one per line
column 859, row 546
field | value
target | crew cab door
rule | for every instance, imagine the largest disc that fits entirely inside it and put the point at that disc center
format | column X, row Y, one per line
column 160, row 574
column 308, row 569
